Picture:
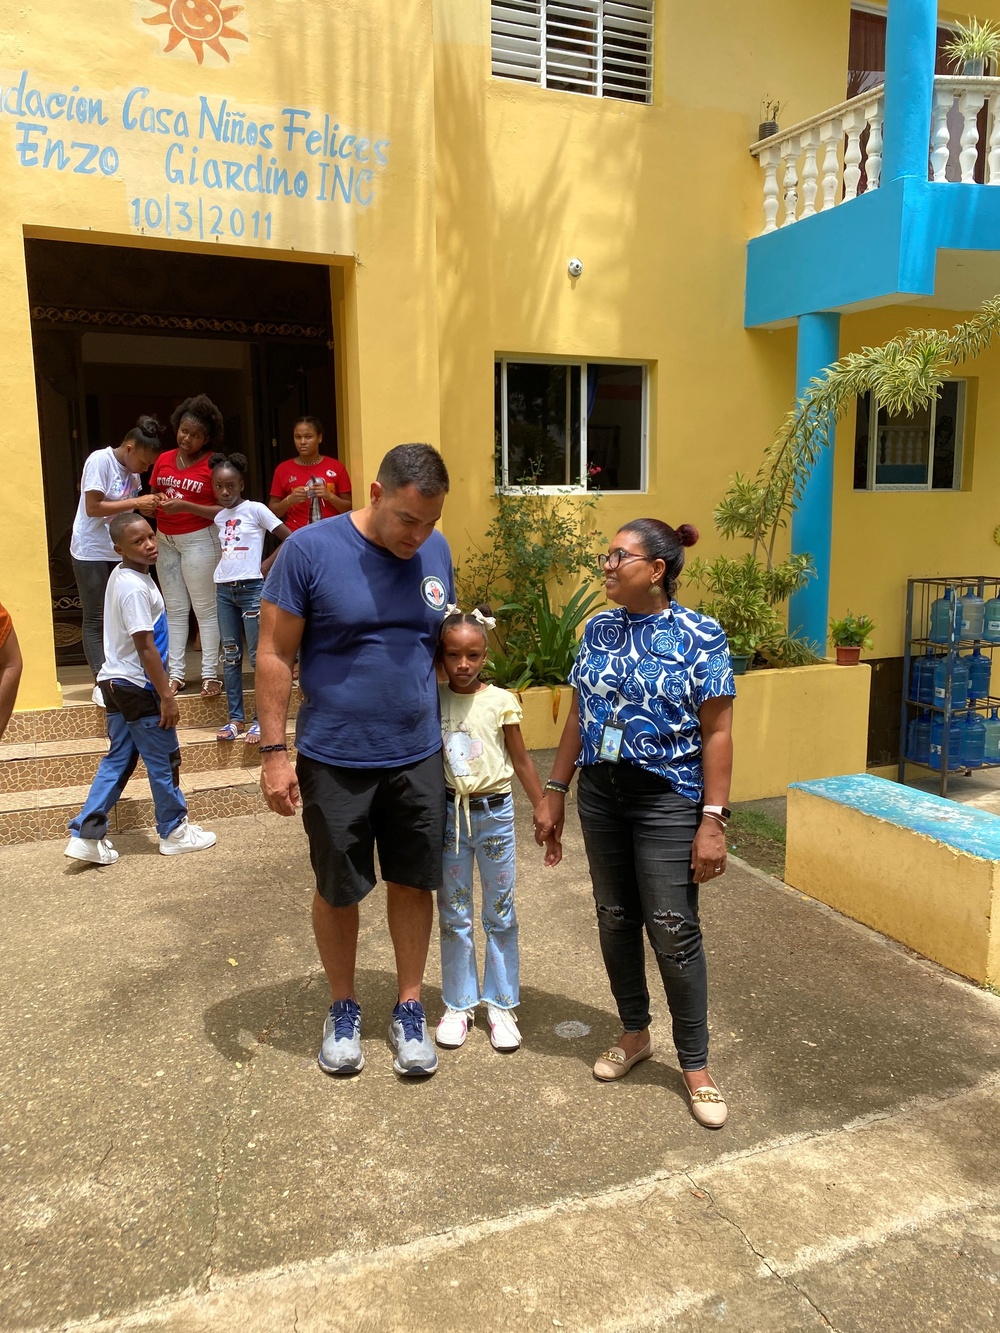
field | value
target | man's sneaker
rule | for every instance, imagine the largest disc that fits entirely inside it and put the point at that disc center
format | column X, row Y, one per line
column 453, row 1028
column 409, row 1038
column 186, row 838
column 97, row 697
column 341, row 1049
column 504, row 1035
column 90, row 849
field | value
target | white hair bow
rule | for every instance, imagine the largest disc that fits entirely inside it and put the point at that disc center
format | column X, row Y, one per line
column 453, row 609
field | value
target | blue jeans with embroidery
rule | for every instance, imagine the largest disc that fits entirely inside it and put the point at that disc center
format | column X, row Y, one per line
column 238, row 606
column 490, row 845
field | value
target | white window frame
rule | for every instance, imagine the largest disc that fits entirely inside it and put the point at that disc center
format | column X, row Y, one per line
column 521, row 53
column 960, row 415
column 577, row 487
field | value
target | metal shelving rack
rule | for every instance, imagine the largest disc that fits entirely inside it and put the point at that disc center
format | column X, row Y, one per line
column 920, row 593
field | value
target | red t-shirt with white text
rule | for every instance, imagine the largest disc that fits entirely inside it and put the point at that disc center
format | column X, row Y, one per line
column 293, row 473
column 192, row 483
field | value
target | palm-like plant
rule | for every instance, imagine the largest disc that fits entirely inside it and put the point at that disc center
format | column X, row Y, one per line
column 973, row 41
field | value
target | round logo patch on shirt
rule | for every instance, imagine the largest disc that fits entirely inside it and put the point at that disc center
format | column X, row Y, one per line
column 432, row 590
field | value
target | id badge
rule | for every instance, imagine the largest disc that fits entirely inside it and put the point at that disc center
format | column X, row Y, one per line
column 612, row 735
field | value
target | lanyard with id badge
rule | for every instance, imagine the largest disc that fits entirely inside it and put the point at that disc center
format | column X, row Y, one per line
column 613, row 732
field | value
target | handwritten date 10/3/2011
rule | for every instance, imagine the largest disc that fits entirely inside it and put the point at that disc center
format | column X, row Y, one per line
column 195, row 218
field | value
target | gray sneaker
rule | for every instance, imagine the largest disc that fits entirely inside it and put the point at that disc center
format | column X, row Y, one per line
column 409, row 1038
column 341, row 1049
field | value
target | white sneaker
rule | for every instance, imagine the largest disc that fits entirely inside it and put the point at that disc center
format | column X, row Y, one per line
column 186, row 838
column 90, row 849
column 504, row 1035
column 97, row 697
column 453, row 1028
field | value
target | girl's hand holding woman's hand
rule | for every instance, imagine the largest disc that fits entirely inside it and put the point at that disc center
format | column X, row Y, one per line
column 708, row 851
column 548, row 821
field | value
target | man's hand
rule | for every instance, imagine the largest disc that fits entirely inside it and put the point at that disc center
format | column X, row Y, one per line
column 170, row 713
column 279, row 783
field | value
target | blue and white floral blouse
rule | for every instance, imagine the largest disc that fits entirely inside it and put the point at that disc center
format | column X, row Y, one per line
column 653, row 672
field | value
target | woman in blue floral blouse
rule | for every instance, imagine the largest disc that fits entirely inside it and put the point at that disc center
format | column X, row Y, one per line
column 650, row 731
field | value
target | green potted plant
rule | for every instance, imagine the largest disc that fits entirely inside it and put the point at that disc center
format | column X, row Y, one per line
column 849, row 636
column 974, row 47
column 769, row 111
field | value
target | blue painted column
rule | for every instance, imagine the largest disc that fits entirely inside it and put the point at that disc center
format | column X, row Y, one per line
column 812, row 522
column 909, row 87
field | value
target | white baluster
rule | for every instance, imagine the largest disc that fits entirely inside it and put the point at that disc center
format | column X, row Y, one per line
column 943, row 99
column 769, row 159
column 873, row 159
column 854, row 123
column 970, row 104
column 790, row 182
column 830, row 132
column 993, row 158
column 810, row 172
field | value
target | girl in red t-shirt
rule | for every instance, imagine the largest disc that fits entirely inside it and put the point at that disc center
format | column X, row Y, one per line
column 188, row 538
column 311, row 486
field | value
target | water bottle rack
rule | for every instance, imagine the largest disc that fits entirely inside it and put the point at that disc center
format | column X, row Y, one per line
column 920, row 594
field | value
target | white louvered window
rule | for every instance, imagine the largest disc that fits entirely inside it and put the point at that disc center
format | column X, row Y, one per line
column 603, row 48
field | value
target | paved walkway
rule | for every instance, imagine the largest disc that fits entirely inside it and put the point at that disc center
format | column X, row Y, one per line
column 171, row 1157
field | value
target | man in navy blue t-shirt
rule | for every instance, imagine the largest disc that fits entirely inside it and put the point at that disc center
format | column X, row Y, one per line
column 360, row 598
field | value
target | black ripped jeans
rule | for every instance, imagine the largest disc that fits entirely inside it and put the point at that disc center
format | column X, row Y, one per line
column 638, row 833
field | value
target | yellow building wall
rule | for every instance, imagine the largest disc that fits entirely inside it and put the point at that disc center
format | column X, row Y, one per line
column 366, row 63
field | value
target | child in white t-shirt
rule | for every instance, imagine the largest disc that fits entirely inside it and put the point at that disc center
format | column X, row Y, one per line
column 483, row 749
column 239, row 580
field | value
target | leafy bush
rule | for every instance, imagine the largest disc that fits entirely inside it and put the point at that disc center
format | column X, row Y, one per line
column 744, row 596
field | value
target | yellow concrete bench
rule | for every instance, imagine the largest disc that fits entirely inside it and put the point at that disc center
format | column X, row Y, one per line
column 915, row 867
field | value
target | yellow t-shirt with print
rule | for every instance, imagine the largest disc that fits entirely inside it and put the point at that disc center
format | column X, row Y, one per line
column 475, row 755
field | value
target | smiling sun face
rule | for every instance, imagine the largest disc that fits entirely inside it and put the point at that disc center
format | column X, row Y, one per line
column 201, row 22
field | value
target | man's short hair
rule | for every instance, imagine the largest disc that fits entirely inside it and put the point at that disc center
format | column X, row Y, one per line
column 417, row 465
column 120, row 524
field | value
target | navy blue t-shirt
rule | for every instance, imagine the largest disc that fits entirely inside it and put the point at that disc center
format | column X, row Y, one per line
column 366, row 665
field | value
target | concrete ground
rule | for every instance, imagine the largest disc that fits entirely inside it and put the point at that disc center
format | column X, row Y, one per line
column 171, row 1157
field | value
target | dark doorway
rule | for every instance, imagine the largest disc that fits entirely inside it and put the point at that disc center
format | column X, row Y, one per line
column 119, row 331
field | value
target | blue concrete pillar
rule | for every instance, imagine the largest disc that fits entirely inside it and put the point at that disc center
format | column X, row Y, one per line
column 812, row 522
column 909, row 88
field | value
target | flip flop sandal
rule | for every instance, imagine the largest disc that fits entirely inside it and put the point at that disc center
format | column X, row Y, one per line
column 211, row 689
column 177, row 686
column 252, row 736
column 228, row 733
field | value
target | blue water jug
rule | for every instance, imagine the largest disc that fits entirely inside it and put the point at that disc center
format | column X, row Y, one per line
column 942, row 618
column 922, row 678
column 954, row 743
column 980, row 667
column 959, row 681
column 992, row 751
column 991, row 620
column 919, row 747
column 972, row 612
column 972, row 750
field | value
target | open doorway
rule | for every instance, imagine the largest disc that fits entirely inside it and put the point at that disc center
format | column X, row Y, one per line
column 120, row 331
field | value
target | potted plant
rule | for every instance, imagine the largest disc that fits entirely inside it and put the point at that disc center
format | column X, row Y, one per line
column 974, row 46
column 742, row 649
column 769, row 111
column 849, row 636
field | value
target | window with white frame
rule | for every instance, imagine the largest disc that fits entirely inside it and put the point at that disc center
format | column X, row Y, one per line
column 578, row 425
column 603, row 48
column 918, row 452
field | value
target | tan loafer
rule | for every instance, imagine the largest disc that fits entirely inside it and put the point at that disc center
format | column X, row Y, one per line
column 708, row 1106
column 616, row 1064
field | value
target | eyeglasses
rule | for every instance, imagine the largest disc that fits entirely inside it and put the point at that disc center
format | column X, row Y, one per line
column 614, row 558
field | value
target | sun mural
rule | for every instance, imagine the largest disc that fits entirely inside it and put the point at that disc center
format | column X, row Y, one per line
column 201, row 23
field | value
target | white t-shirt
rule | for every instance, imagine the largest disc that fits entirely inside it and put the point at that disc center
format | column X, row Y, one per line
column 241, row 532
column 101, row 472
column 132, row 604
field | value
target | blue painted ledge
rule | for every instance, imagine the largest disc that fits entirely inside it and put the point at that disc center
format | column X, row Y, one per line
column 966, row 829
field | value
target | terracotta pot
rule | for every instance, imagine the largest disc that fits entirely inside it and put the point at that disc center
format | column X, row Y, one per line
column 848, row 656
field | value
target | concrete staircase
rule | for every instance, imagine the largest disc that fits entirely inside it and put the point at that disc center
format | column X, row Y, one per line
column 48, row 759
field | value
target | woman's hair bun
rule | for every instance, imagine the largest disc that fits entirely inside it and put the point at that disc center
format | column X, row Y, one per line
column 149, row 425
column 687, row 534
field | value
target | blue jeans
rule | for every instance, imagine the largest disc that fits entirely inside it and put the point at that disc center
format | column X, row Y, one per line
column 160, row 752
column 238, row 605
column 638, row 834
column 490, row 844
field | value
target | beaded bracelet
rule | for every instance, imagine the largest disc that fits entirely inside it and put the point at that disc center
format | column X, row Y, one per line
column 270, row 749
column 552, row 785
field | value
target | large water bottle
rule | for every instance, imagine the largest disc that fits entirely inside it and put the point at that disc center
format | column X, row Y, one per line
column 954, row 743
column 972, row 749
column 922, row 684
column 979, row 673
column 992, row 751
column 991, row 620
column 973, row 613
column 942, row 618
column 919, row 748
column 959, row 681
